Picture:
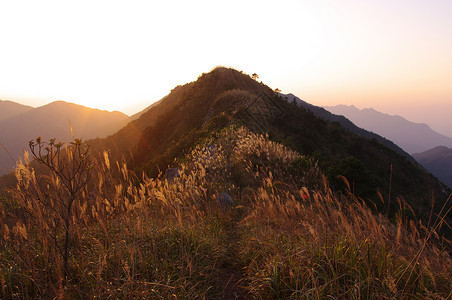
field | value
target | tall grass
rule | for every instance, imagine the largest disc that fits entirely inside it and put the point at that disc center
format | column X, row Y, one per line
column 287, row 235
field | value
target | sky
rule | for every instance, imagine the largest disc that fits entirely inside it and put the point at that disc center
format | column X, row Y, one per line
column 394, row 56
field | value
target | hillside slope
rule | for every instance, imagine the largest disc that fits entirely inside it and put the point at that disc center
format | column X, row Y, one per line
column 127, row 138
column 410, row 136
column 224, row 96
column 438, row 161
column 346, row 123
column 54, row 120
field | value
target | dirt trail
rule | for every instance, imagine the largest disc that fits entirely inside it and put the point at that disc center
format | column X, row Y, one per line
column 232, row 270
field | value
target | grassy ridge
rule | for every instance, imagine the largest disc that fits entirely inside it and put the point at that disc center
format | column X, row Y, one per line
column 287, row 235
column 225, row 96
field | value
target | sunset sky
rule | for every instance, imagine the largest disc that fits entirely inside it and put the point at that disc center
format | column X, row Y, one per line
column 394, row 56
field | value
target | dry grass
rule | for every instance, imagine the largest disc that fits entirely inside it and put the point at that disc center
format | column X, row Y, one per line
column 287, row 234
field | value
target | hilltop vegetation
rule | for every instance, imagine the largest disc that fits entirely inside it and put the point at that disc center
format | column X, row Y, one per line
column 286, row 234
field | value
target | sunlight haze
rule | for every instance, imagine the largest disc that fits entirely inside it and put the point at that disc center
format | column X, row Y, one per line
column 394, row 56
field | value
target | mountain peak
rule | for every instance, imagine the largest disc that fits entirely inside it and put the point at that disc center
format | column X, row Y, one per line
column 225, row 97
column 10, row 109
column 62, row 103
column 345, row 106
column 437, row 151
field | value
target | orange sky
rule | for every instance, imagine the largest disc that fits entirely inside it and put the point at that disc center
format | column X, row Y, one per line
column 394, row 56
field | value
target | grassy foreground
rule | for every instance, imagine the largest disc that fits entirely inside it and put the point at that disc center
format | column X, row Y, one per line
column 286, row 235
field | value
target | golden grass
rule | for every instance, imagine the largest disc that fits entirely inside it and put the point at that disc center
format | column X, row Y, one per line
column 287, row 235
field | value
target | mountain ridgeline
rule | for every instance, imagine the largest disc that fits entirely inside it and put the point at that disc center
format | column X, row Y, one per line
column 196, row 111
column 412, row 137
column 11, row 109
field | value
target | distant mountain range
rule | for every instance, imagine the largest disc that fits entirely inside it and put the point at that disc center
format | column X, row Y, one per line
column 19, row 124
column 410, row 136
column 438, row 161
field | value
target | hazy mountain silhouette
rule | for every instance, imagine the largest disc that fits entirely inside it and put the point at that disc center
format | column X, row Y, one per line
column 410, row 136
column 438, row 161
column 223, row 97
column 9, row 109
column 53, row 120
